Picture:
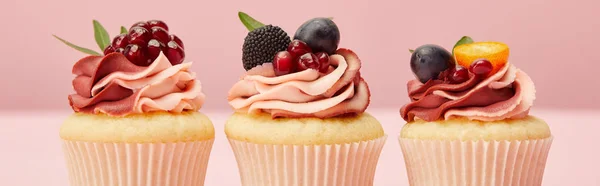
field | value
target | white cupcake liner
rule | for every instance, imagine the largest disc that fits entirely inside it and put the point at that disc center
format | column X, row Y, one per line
column 351, row 164
column 476, row 163
column 137, row 164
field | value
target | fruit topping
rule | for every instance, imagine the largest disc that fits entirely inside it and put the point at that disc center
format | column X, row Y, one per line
column 154, row 48
column 308, row 60
column 139, row 35
column 109, row 49
column 321, row 34
column 174, row 53
column 458, row 75
column 298, row 48
column 142, row 24
column 136, row 55
column 158, row 23
column 481, row 67
column 323, row 62
column 160, row 34
column 428, row 61
column 495, row 53
column 283, row 63
column 177, row 40
column 121, row 41
column 261, row 45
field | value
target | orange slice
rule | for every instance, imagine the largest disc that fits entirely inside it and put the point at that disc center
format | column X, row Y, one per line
column 495, row 52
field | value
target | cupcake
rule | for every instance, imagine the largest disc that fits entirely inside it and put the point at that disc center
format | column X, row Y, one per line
column 300, row 110
column 136, row 119
column 468, row 119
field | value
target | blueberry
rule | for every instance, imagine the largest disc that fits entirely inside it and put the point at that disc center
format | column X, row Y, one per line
column 428, row 61
column 321, row 35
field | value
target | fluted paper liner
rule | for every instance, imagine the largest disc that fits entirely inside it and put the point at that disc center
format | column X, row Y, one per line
column 137, row 164
column 476, row 163
column 351, row 164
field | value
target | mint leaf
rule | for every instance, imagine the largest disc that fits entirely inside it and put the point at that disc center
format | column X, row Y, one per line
column 411, row 50
column 462, row 41
column 81, row 49
column 101, row 35
column 123, row 30
column 249, row 22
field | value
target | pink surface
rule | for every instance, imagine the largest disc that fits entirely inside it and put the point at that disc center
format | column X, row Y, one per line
column 555, row 41
column 32, row 154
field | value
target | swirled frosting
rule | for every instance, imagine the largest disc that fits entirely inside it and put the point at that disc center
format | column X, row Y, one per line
column 115, row 86
column 304, row 94
column 509, row 93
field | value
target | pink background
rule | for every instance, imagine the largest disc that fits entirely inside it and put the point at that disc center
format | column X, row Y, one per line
column 555, row 41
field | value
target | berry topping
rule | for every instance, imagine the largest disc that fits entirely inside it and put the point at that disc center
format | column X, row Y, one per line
column 428, row 61
column 154, row 48
column 298, row 48
column 142, row 24
column 109, row 49
column 136, row 55
column 139, row 36
column 282, row 63
column 481, row 67
column 321, row 34
column 323, row 61
column 174, row 53
column 495, row 52
column 160, row 34
column 261, row 45
column 158, row 23
column 177, row 40
column 121, row 41
column 459, row 75
column 308, row 60
column 120, row 50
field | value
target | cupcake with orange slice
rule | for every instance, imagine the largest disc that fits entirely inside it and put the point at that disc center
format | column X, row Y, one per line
column 468, row 121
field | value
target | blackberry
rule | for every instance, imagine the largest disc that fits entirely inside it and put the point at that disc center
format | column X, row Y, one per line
column 261, row 45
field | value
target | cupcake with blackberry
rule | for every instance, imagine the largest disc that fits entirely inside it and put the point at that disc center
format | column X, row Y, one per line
column 136, row 119
column 468, row 119
column 300, row 110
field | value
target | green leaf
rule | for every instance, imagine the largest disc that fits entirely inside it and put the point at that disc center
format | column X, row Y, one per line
column 462, row 41
column 411, row 50
column 249, row 22
column 81, row 49
column 123, row 30
column 101, row 35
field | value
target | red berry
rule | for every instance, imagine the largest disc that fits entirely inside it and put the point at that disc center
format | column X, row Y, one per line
column 136, row 55
column 298, row 48
column 481, row 67
column 160, row 34
column 283, row 63
column 140, row 24
column 308, row 60
column 154, row 48
column 174, row 53
column 177, row 40
column 323, row 59
column 109, row 49
column 120, row 41
column 459, row 75
column 139, row 36
column 158, row 23
column 120, row 50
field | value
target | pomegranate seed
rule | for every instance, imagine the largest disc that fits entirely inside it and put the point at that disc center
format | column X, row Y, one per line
column 136, row 55
column 158, row 23
column 120, row 50
column 308, row 60
column 282, row 63
column 160, row 34
column 177, row 40
column 139, row 36
column 298, row 48
column 481, row 67
column 154, row 48
column 120, row 41
column 459, row 75
column 109, row 49
column 323, row 59
column 174, row 53
column 142, row 24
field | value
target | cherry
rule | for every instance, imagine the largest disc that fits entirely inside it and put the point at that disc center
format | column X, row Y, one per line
column 174, row 53
column 177, row 40
column 308, row 60
column 160, row 34
column 139, row 36
column 481, row 67
column 298, row 48
column 120, row 41
column 109, row 49
column 154, row 48
column 323, row 59
column 158, row 23
column 140, row 24
column 459, row 75
column 283, row 63
column 136, row 55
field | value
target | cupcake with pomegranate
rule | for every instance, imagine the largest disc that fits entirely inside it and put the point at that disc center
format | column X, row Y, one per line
column 300, row 110
column 136, row 119
column 468, row 119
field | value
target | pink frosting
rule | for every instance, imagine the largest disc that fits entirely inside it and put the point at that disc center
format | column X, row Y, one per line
column 304, row 94
column 507, row 94
column 115, row 86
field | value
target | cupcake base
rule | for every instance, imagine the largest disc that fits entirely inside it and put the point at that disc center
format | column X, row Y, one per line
column 136, row 164
column 349, row 164
column 477, row 163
